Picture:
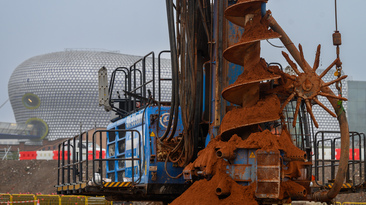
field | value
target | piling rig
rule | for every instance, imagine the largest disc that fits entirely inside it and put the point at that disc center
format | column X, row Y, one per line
column 228, row 105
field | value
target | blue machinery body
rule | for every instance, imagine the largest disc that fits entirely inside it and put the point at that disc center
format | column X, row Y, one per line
column 148, row 169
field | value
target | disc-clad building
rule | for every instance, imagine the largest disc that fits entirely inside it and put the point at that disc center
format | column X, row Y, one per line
column 57, row 93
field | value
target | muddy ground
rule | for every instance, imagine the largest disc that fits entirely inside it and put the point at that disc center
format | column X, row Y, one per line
column 28, row 176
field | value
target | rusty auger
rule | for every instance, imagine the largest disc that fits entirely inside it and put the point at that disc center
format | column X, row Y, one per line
column 258, row 103
column 307, row 85
column 245, row 92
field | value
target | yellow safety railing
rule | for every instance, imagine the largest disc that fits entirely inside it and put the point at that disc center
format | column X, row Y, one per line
column 98, row 201
column 84, row 200
column 48, row 199
column 73, row 200
column 5, row 199
column 31, row 199
column 24, row 199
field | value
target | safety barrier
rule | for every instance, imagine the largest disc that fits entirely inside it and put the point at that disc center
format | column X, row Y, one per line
column 24, row 199
column 53, row 155
column 84, row 200
column 27, row 155
column 327, row 153
column 97, row 154
column 56, row 155
column 98, row 201
column 44, row 155
column 356, row 153
column 40, row 199
column 73, row 200
column 48, row 199
column 5, row 199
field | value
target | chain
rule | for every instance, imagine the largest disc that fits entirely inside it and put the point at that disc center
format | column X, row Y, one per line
column 338, row 85
column 337, row 42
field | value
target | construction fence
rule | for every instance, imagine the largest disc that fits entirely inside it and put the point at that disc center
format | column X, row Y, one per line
column 324, row 203
column 54, row 155
column 31, row 199
column 9, row 155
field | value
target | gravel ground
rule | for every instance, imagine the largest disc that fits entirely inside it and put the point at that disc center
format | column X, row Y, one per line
column 28, row 176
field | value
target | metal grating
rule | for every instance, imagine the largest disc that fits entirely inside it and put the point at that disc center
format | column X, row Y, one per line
column 327, row 122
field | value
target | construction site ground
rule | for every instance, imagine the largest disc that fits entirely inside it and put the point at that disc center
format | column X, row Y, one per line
column 33, row 176
column 40, row 176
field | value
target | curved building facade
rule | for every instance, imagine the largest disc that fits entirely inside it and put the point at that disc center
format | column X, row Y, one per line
column 57, row 92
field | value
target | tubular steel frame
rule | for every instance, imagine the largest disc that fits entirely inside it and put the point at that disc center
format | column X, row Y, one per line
column 75, row 166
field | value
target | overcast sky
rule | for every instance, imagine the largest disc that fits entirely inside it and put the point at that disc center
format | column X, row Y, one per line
column 36, row 27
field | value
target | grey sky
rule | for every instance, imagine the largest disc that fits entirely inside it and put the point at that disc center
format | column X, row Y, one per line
column 30, row 28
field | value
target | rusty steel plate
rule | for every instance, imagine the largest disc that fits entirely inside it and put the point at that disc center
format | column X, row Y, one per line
column 236, row 12
column 268, row 174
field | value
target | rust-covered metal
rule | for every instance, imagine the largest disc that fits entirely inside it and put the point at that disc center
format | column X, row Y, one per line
column 223, row 188
column 268, row 174
column 236, row 12
column 257, row 105
column 339, row 110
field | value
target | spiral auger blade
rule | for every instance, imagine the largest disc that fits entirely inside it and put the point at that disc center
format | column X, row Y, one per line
column 236, row 13
column 247, row 89
column 255, row 30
